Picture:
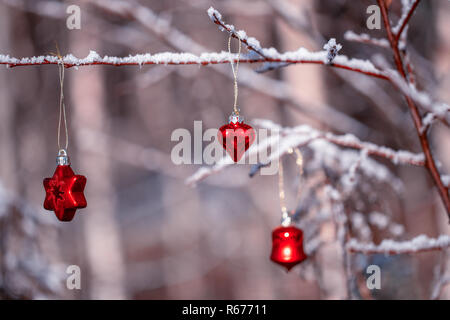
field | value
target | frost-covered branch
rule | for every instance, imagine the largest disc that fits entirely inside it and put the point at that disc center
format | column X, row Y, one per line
column 164, row 30
column 302, row 55
column 25, row 269
column 408, row 8
column 414, row 111
column 261, row 55
column 418, row 244
column 349, row 141
column 303, row 135
column 446, row 180
column 439, row 286
column 93, row 58
column 365, row 38
column 437, row 110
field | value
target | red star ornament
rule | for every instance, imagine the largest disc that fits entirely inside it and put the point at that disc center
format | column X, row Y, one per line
column 64, row 192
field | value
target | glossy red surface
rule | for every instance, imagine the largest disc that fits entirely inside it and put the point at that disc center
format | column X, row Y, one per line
column 64, row 193
column 236, row 138
column 287, row 246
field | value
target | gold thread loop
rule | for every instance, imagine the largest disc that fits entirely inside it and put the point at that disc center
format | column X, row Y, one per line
column 285, row 216
column 62, row 105
column 235, row 70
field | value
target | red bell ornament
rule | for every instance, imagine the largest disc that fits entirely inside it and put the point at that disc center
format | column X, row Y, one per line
column 236, row 137
column 64, row 191
column 287, row 246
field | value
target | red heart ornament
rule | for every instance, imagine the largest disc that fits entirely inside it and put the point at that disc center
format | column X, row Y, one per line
column 236, row 138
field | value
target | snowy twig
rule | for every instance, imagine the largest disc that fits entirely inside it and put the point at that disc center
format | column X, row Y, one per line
column 349, row 141
column 161, row 27
column 332, row 48
column 165, row 58
column 365, row 38
column 302, row 55
column 404, row 19
column 438, row 110
column 417, row 244
column 251, row 43
column 446, row 180
column 417, row 119
column 439, row 286
column 178, row 40
column 304, row 135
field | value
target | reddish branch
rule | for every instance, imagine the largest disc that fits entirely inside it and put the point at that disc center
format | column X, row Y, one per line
column 347, row 141
column 265, row 58
column 386, row 153
column 405, row 22
column 204, row 63
column 422, row 134
column 420, row 243
column 393, row 252
column 70, row 65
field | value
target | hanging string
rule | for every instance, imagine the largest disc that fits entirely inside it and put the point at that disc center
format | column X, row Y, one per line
column 285, row 216
column 62, row 105
column 235, row 71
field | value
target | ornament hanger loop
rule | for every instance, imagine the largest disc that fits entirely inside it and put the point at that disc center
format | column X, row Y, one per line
column 62, row 159
column 285, row 216
column 62, row 106
column 235, row 71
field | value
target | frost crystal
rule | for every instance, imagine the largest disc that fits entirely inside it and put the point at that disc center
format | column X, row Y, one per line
column 332, row 49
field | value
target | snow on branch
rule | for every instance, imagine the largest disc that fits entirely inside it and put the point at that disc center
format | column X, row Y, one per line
column 93, row 58
column 437, row 110
column 182, row 42
column 350, row 141
column 418, row 244
column 302, row 135
column 302, row 55
column 260, row 55
column 408, row 8
column 169, row 58
column 446, row 180
column 365, row 38
column 332, row 49
column 251, row 43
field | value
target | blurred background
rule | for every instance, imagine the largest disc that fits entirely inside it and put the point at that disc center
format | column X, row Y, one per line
column 146, row 234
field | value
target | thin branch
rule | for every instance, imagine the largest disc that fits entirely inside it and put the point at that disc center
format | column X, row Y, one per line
column 405, row 19
column 300, row 56
column 420, row 243
column 169, row 58
column 365, row 38
column 162, row 28
column 439, row 287
column 264, row 55
column 440, row 110
column 165, row 58
column 350, row 141
column 366, row 86
column 430, row 163
column 301, row 136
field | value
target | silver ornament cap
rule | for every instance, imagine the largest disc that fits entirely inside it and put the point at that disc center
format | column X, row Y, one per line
column 236, row 118
column 62, row 159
